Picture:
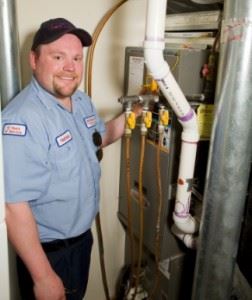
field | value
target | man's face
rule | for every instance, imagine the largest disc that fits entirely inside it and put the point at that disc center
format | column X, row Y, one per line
column 58, row 66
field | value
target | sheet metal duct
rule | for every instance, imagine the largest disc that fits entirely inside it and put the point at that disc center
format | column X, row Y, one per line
column 9, row 52
column 9, row 87
column 230, row 157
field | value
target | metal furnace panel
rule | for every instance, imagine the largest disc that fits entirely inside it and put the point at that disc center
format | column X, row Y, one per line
column 169, row 158
column 185, row 65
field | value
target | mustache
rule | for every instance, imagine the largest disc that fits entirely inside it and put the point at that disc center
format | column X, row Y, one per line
column 67, row 74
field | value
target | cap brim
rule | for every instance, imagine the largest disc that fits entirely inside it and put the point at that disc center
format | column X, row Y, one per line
column 83, row 35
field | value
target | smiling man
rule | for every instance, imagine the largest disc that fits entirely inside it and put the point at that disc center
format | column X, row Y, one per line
column 58, row 67
column 52, row 138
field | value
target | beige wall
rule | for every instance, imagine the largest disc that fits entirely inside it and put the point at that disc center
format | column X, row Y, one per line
column 125, row 28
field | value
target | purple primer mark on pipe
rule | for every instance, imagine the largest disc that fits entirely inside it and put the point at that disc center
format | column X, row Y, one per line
column 187, row 117
column 181, row 209
column 180, row 215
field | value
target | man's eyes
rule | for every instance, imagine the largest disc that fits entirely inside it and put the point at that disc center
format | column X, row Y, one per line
column 78, row 59
column 58, row 57
column 61, row 57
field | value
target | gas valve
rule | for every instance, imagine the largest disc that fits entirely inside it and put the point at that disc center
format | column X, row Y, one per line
column 148, row 119
column 131, row 120
column 164, row 117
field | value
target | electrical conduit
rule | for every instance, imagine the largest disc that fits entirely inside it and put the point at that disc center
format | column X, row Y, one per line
column 159, row 69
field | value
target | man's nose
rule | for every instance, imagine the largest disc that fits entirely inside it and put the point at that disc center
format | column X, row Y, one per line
column 69, row 65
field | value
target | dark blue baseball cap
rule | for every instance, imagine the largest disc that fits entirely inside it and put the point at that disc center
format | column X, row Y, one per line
column 53, row 29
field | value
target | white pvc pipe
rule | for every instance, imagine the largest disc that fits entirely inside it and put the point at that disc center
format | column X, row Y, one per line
column 155, row 30
column 159, row 69
column 181, row 215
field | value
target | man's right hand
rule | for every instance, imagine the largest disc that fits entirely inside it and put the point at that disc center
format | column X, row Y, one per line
column 49, row 288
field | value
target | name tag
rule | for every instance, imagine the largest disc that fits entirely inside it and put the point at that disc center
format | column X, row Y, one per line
column 14, row 129
column 90, row 121
column 64, row 138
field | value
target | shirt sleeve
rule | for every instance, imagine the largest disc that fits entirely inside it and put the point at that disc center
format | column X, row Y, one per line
column 25, row 153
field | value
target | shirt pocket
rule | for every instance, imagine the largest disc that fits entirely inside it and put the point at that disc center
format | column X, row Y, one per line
column 66, row 161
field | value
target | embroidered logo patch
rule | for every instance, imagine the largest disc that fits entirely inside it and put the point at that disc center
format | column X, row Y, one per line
column 14, row 129
column 64, row 138
column 90, row 121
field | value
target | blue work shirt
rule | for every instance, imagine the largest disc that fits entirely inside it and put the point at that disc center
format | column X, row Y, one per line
column 50, row 160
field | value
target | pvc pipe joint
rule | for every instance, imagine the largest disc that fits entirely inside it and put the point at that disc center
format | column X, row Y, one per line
column 188, row 239
column 156, row 63
column 187, row 224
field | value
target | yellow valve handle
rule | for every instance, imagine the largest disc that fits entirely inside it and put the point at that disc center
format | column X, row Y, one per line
column 164, row 118
column 154, row 86
column 131, row 120
column 151, row 86
column 148, row 119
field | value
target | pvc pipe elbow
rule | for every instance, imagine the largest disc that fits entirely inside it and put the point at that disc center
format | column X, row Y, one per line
column 155, row 62
column 188, row 239
column 190, row 129
column 190, row 135
column 186, row 224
